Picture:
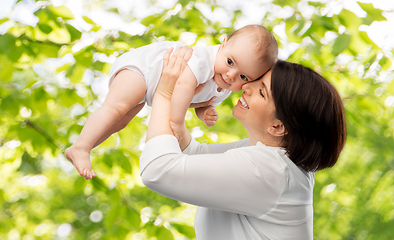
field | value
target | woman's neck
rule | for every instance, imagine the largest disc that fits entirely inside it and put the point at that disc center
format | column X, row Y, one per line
column 268, row 140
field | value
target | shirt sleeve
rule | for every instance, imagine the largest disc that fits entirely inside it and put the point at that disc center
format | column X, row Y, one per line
column 229, row 181
column 202, row 148
column 201, row 63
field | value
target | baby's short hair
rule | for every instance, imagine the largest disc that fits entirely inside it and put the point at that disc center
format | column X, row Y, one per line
column 265, row 43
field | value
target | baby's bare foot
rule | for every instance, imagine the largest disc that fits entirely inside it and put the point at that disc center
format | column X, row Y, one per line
column 81, row 161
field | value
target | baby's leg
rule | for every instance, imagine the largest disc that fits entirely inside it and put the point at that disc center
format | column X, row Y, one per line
column 126, row 91
column 119, row 125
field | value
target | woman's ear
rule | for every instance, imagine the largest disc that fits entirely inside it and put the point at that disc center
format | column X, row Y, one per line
column 277, row 129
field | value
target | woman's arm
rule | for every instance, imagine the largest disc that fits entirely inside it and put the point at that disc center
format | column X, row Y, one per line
column 159, row 123
column 195, row 147
column 235, row 181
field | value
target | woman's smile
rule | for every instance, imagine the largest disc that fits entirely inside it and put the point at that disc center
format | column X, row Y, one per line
column 243, row 102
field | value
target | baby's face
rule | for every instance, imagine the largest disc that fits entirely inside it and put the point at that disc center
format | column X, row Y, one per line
column 237, row 63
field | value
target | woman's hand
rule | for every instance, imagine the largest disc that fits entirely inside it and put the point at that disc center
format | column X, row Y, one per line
column 172, row 68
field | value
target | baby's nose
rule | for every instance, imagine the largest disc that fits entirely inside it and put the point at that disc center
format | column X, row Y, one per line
column 231, row 75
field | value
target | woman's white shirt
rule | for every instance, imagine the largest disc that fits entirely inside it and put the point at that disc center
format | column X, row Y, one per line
column 243, row 192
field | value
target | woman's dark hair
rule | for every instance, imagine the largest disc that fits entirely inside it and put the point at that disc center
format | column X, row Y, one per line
column 312, row 112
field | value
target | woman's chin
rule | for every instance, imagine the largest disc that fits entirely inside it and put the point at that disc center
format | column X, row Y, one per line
column 236, row 112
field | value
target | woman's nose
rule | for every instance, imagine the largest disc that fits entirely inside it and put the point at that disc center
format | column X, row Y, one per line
column 247, row 88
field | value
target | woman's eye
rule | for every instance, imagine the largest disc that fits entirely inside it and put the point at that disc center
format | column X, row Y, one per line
column 243, row 77
column 261, row 93
column 229, row 61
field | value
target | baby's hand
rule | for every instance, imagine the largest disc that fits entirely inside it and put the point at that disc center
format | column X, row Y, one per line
column 210, row 116
column 178, row 130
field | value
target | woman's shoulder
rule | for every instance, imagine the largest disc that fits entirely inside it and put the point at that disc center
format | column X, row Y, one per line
column 274, row 161
column 268, row 159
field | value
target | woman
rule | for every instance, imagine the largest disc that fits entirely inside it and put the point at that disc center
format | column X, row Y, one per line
column 256, row 188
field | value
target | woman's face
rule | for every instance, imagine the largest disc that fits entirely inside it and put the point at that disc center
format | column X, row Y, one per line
column 255, row 109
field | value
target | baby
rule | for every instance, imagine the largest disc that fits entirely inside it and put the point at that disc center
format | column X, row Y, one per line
column 246, row 56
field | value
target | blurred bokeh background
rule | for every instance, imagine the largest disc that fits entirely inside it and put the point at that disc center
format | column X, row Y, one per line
column 55, row 57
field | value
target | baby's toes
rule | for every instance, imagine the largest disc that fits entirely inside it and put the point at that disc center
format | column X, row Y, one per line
column 93, row 174
column 83, row 173
column 90, row 174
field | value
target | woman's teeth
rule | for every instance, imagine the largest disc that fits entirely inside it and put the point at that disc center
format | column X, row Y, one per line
column 243, row 103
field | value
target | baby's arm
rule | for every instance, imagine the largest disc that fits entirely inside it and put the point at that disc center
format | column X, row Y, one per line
column 208, row 115
column 181, row 98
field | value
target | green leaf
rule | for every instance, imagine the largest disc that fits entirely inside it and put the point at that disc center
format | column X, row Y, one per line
column 341, row 43
column 364, row 36
column 84, row 58
column 7, row 43
column 49, row 50
column 385, row 63
column 69, row 97
column 326, row 22
column 45, row 28
column 316, row 4
column 6, row 71
column 65, row 215
column 296, row 55
column 75, row 73
column 370, row 60
column 349, row 19
column 372, row 13
column 196, row 24
column 133, row 218
column 16, row 54
column 74, row 33
column 98, row 184
column 112, row 215
column 61, row 11
column 125, row 164
column 42, row 15
column 186, row 230
column 292, row 28
column 59, row 35
column 38, row 100
column 88, row 20
column 10, row 105
column 123, row 161
column 97, row 65
column 29, row 165
column 152, row 19
column 283, row 3
column 36, row 136
column 164, row 234
column 3, row 20
column 358, row 46
column 184, row 2
column 107, row 160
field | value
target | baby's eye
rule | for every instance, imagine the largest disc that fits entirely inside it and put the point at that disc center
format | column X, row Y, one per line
column 243, row 77
column 229, row 62
column 261, row 93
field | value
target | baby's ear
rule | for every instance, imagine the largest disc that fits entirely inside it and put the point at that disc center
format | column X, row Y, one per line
column 224, row 42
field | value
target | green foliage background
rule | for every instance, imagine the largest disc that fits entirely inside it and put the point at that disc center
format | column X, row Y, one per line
column 46, row 95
